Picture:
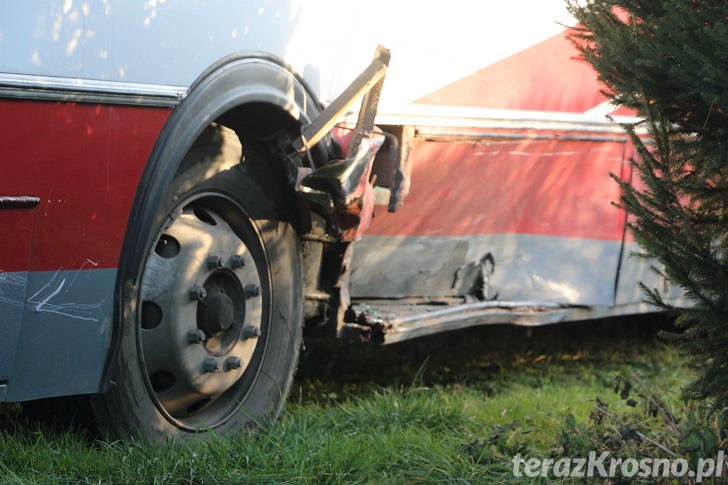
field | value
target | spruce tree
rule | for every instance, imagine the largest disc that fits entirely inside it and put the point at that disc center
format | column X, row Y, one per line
column 668, row 61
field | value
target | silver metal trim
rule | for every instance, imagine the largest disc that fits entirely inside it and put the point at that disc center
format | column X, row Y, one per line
column 432, row 120
column 18, row 201
column 464, row 137
column 25, row 86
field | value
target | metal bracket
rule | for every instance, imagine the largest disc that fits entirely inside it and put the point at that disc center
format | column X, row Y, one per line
column 341, row 187
column 369, row 83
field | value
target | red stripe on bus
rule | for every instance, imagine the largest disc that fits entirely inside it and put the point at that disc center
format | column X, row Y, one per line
column 541, row 187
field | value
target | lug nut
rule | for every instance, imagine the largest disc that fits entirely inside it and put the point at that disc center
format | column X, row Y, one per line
column 211, row 364
column 251, row 331
column 252, row 290
column 214, row 262
column 233, row 362
column 237, row 261
column 195, row 336
column 198, row 293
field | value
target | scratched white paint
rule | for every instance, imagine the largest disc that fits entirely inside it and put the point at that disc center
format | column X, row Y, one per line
column 41, row 300
column 54, row 293
column 570, row 293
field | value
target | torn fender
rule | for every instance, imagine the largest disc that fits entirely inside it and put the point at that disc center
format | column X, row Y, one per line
column 342, row 187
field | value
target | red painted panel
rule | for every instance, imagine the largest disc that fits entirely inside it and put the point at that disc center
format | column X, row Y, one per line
column 543, row 187
column 84, row 162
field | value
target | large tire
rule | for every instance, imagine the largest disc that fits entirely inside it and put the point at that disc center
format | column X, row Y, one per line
column 212, row 335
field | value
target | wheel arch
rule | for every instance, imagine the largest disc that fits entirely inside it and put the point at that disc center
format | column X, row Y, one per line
column 235, row 89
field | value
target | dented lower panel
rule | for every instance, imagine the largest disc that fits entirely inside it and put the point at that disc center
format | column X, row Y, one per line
column 393, row 321
column 508, row 267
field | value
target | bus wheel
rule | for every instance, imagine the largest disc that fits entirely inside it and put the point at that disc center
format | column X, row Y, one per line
column 215, row 329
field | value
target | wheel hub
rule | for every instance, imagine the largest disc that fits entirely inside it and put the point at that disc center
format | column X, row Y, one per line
column 217, row 312
column 196, row 312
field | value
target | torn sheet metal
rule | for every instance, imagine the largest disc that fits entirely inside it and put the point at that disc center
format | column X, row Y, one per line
column 343, row 189
column 398, row 320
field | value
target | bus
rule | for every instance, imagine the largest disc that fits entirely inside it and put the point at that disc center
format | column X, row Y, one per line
column 187, row 188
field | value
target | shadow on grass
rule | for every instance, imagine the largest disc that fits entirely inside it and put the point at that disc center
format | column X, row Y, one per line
column 53, row 416
column 477, row 356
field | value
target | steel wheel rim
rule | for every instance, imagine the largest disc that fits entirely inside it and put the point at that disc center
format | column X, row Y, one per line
column 202, row 312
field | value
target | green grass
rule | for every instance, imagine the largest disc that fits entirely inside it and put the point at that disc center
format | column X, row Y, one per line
column 453, row 408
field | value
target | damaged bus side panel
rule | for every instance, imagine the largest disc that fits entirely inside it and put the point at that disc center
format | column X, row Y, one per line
column 507, row 221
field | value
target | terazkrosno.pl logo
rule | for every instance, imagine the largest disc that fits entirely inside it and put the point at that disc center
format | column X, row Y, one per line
column 605, row 466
